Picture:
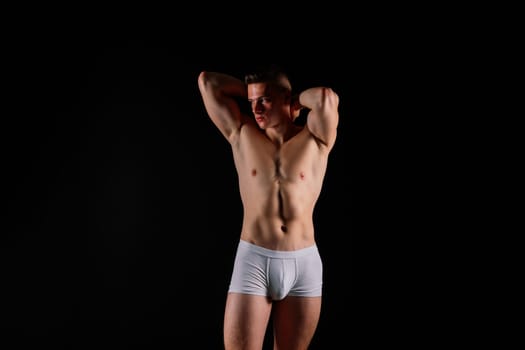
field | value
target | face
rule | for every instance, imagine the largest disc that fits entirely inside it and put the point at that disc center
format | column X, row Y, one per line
column 267, row 104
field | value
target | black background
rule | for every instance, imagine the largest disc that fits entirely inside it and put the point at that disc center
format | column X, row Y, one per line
column 122, row 209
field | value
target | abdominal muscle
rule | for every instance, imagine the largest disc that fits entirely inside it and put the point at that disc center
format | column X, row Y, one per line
column 277, row 213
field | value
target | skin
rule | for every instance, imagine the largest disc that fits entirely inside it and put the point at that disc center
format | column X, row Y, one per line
column 281, row 167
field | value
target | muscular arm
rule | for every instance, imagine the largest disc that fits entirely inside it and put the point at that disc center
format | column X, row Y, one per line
column 323, row 116
column 219, row 92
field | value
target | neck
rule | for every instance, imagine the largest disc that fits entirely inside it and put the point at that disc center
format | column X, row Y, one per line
column 282, row 133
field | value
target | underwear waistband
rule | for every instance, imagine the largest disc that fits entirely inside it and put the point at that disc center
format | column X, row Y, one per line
column 278, row 253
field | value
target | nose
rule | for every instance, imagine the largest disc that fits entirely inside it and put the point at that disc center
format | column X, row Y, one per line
column 257, row 106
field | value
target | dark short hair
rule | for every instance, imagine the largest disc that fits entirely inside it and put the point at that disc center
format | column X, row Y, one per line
column 272, row 74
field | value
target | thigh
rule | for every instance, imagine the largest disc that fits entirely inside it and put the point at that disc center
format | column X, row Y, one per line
column 295, row 320
column 245, row 321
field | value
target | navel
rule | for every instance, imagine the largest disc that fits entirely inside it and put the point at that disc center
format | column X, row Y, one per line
column 284, row 228
column 301, row 175
column 254, row 172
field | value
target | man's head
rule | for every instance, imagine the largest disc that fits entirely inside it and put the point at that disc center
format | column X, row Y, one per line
column 273, row 75
column 269, row 94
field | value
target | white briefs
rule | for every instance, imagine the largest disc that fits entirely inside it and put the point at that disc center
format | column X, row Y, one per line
column 277, row 273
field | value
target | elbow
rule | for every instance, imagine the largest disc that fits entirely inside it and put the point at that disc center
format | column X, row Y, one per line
column 328, row 98
column 322, row 98
column 203, row 79
column 207, row 82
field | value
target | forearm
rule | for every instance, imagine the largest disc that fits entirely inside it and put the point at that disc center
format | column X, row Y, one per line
column 305, row 100
column 223, row 83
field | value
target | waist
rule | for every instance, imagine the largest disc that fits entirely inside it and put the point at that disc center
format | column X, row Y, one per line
column 278, row 235
column 282, row 254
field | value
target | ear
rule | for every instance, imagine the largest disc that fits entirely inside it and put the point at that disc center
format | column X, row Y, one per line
column 295, row 106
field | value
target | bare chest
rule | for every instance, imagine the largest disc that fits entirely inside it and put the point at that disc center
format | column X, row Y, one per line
column 290, row 163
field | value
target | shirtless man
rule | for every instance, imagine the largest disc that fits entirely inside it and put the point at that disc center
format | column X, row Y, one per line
column 280, row 166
